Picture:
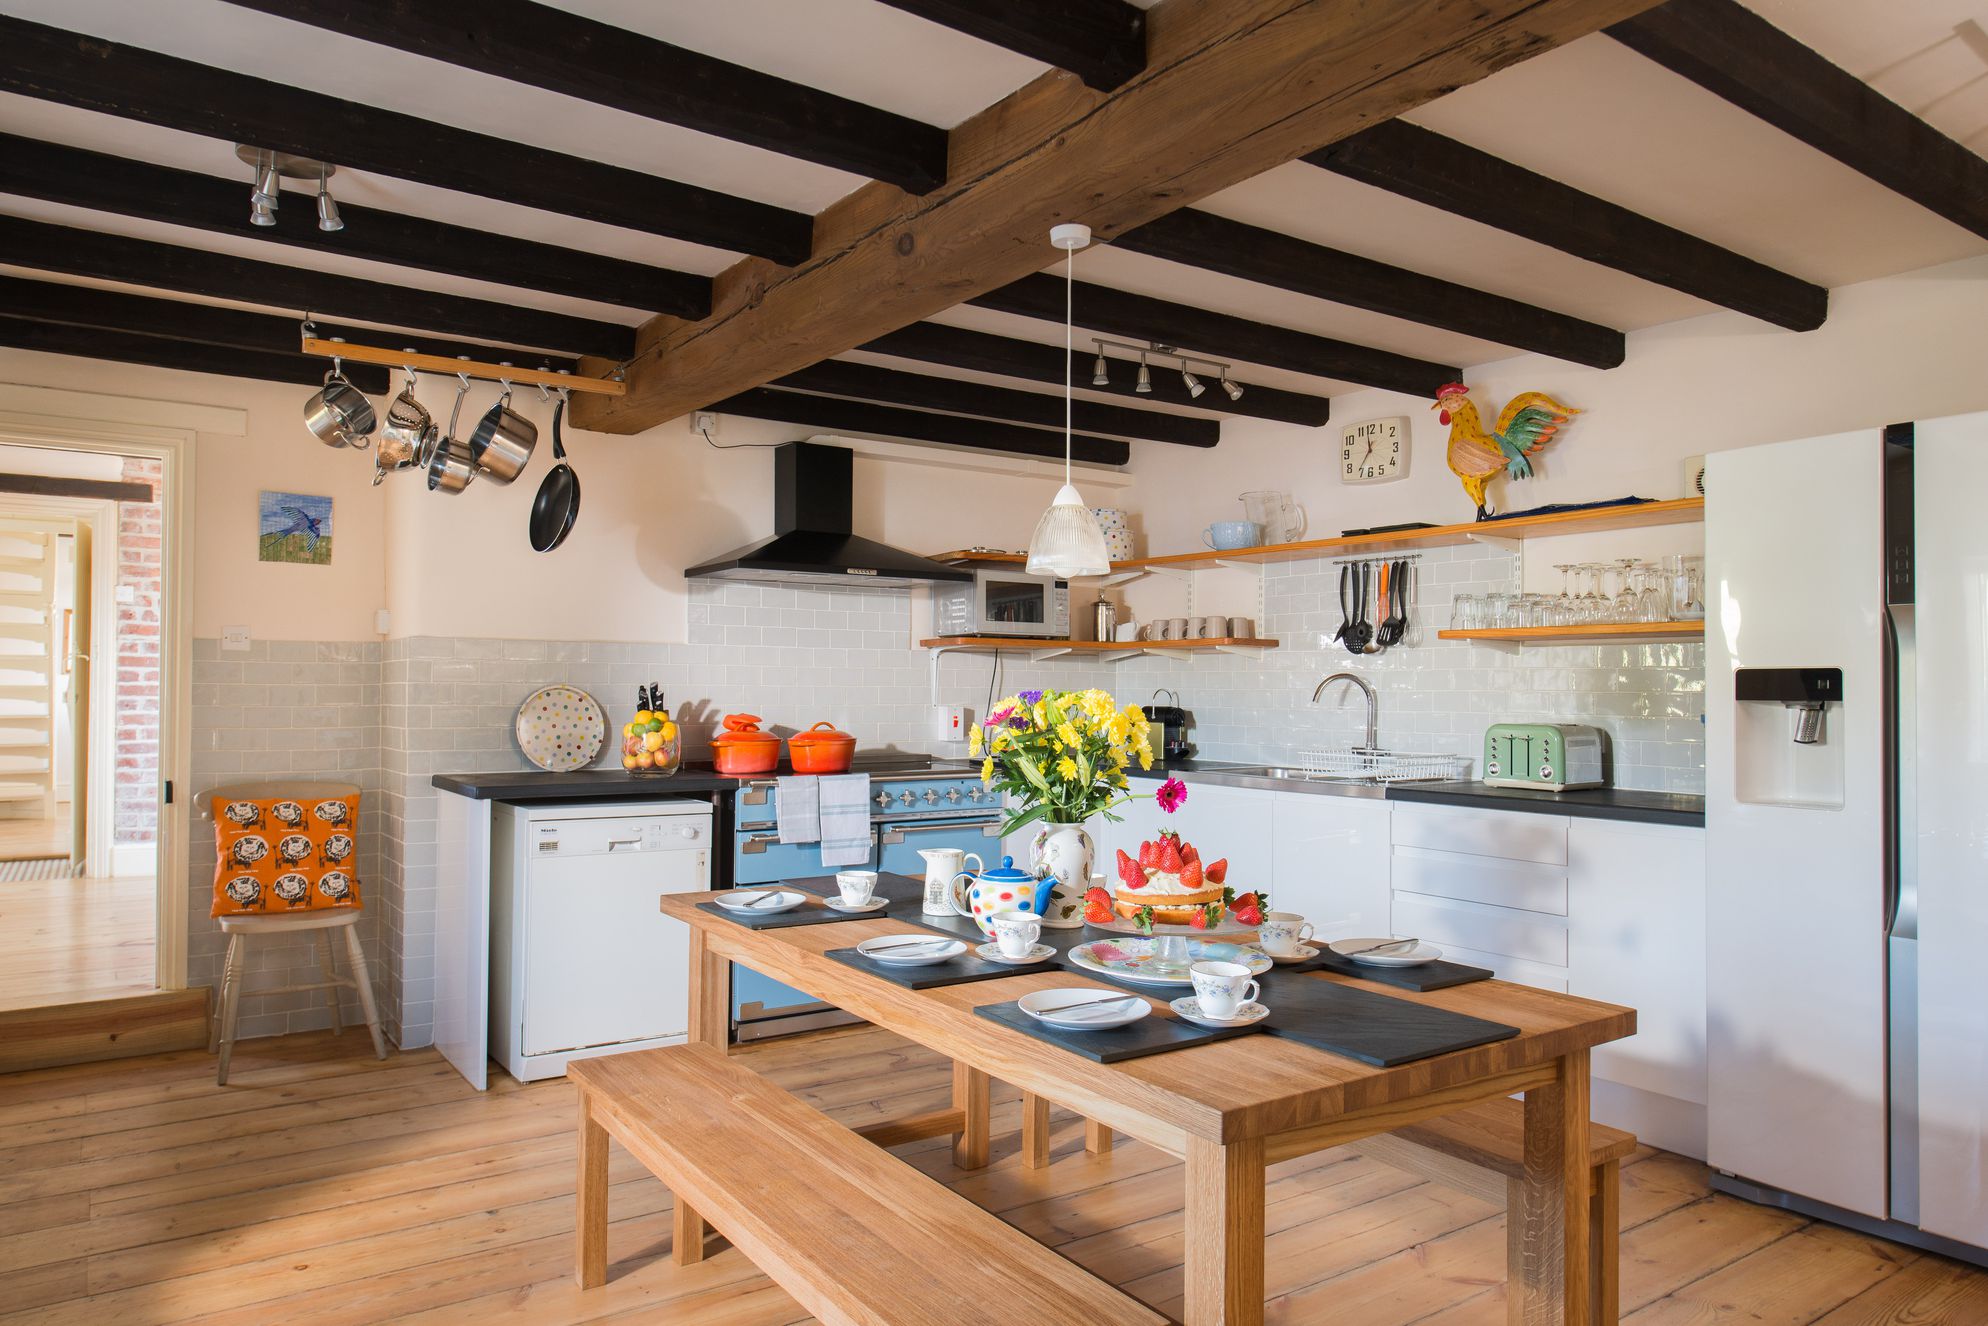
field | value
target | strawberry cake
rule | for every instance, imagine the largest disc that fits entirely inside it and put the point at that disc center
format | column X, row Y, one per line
column 1168, row 884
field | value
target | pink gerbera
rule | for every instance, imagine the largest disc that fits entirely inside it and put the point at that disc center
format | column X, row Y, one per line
column 1171, row 794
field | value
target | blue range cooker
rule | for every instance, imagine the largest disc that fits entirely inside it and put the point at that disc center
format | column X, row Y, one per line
column 912, row 807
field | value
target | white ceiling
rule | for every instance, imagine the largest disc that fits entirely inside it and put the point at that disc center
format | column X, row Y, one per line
column 1593, row 114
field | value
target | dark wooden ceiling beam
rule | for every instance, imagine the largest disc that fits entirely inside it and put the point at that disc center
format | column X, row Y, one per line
column 571, row 54
column 1729, row 50
column 192, row 356
column 106, row 183
column 50, row 485
column 795, row 407
column 839, row 377
column 1219, row 336
column 53, row 248
column 211, row 324
column 89, row 72
column 1102, row 42
column 982, row 352
column 1423, row 165
column 1218, row 244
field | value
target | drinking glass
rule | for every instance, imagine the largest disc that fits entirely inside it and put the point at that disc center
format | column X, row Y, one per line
column 1497, row 610
column 1467, row 612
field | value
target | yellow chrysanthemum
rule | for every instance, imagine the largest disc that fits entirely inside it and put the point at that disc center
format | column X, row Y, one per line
column 1145, row 759
column 1067, row 767
column 1067, row 735
column 1002, row 740
column 973, row 741
column 987, row 770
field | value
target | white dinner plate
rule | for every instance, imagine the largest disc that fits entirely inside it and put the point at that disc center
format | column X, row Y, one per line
column 934, row 948
column 1043, row 1004
column 784, row 900
column 1190, row 1008
column 1398, row 957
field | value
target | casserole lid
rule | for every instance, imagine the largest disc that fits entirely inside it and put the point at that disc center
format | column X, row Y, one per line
column 821, row 734
column 742, row 731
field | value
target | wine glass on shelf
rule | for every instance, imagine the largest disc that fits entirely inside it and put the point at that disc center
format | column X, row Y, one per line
column 1627, row 602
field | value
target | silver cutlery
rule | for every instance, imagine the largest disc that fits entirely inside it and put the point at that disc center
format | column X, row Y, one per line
column 1061, row 1009
column 912, row 943
column 1377, row 948
column 761, row 899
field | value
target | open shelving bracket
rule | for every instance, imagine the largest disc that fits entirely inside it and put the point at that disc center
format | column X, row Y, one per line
column 1497, row 542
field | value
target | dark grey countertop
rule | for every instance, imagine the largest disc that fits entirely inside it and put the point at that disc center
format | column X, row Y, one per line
column 698, row 780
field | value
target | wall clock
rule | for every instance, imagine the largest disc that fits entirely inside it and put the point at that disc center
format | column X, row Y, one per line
column 1375, row 451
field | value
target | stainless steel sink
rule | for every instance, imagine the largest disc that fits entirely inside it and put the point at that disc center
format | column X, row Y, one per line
column 1307, row 775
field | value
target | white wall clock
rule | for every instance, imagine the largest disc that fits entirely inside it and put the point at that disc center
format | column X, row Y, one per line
column 1375, row 451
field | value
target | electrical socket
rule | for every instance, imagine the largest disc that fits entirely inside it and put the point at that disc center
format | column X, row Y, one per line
column 704, row 421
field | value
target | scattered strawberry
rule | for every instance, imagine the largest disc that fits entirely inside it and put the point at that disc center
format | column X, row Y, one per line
column 1097, row 911
column 1217, row 872
column 1098, row 893
column 1200, row 918
column 1249, row 909
column 1129, row 872
column 1190, row 875
column 1170, row 861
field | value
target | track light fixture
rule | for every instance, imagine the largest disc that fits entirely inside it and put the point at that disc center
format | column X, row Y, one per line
column 329, row 220
column 1234, row 389
column 1194, row 387
column 1144, row 386
column 1101, row 375
column 271, row 169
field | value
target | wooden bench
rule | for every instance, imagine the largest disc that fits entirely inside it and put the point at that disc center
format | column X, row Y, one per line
column 1481, row 1151
column 852, row 1232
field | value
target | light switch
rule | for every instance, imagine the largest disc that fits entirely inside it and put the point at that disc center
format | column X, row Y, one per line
column 235, row 638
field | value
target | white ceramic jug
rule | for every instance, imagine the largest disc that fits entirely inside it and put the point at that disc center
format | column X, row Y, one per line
column 942, row 866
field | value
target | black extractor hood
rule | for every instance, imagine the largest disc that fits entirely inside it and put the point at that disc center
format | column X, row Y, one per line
column 812, row 543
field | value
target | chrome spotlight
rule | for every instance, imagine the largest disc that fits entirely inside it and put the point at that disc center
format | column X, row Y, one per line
column 1235, row 391
column 1194, row 385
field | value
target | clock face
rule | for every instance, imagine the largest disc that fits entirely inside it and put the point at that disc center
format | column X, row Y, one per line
column 1375, row 451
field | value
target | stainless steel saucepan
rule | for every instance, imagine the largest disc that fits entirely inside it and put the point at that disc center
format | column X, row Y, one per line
column 449, row 463
column 405, row 436
column 502, row 444
column 338, row 413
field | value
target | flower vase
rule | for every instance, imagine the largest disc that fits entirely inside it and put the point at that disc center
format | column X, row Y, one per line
column 1065, row 852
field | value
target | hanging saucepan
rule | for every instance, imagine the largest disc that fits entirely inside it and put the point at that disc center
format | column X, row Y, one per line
column 558, row 500
column 338, row 413
column 448, row 462
column 405, row 436
column 503, row 440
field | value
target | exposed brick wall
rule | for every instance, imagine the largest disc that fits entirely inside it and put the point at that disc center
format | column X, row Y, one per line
column 139, row 572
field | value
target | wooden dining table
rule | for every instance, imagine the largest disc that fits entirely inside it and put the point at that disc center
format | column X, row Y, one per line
column 1227, row 1109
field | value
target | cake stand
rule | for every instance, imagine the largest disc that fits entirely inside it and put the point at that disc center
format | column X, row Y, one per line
column 1170, row 960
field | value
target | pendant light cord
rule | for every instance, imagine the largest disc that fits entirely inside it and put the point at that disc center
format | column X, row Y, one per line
column 1069, row 305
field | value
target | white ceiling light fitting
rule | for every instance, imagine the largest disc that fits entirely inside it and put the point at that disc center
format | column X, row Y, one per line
column 1143, row 384
column 271, row 169
column 1068, row 541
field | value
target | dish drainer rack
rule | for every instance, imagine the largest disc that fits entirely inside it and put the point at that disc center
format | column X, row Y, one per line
column 1381, row 766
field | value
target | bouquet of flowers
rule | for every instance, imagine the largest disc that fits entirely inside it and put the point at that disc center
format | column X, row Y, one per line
column 1061, row 754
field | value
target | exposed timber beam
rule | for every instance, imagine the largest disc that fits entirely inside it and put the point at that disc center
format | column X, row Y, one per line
column 795, row 407
column 1729, row 50
column 107, row 76
column 106, row 183
column 1418, row 163
column 1102, row 42
column 193, row 356
column 1230, row 89
column 1218, row 335
column 571, row 54
column 838, row 377
column 54, row 248
column 1217, row 244
column 210, row 324
column 49, row 485
column 982, row 352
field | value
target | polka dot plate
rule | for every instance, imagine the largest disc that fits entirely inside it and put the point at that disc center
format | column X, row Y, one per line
column 561, row 728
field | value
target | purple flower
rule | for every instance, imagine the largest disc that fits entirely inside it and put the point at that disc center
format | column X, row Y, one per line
column 1018, row 722
column 1171, row 795
column 1030, row 697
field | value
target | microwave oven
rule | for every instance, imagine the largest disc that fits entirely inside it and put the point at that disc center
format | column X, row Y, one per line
column 998, row 602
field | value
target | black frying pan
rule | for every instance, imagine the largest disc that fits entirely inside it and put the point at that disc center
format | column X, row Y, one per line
column 558, row 500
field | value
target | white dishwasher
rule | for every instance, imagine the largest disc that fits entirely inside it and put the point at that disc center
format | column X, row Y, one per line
column 582, row 960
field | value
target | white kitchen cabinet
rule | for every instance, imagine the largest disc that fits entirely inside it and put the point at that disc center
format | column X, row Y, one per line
column 1330, row 862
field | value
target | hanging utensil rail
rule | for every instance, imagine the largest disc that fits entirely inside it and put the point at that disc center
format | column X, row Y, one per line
column 379, row 354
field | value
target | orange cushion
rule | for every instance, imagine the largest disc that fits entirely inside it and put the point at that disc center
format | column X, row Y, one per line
column 279, row 855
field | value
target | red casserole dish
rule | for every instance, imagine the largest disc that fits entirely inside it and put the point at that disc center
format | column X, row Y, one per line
column 743, row 749
column 821, row 750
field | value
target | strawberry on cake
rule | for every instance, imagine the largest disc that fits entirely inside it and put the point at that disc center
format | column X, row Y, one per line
column 1169, row 885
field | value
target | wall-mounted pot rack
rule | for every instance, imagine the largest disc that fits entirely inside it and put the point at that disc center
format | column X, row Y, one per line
column 530, row 377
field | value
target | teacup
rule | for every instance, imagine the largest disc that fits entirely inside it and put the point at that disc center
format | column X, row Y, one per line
column 1223, row 988
column 857, row 886
column 1283, row 932
column 1015, row 933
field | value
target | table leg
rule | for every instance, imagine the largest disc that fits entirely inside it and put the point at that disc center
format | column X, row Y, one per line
column 1035, row 1131
column 590, row 1220
column 710, row 1024
column 1097, row 1137
column 970, row 1097
column 1224, row 1231
column 1555, row 1252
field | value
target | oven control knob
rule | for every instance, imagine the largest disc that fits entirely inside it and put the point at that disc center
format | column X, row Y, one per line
column 883, row 800
column 931, row 797
column 953, row 795
column 905, row 798
column 974, row 792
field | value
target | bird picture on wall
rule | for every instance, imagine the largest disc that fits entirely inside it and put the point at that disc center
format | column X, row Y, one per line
column 1477, row 454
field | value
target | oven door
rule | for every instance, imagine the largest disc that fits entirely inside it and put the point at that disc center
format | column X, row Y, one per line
column 900, row 843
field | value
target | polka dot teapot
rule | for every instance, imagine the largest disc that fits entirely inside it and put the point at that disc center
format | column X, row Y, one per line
column 1004, row 889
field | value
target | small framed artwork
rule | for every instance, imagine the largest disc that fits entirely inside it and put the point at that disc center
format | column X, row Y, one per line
column 295, row 527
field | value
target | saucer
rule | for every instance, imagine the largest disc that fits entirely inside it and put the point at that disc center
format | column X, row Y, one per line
column 874, row 904
column 1190, row 1008
column 1036, row 953
column 1305, row 953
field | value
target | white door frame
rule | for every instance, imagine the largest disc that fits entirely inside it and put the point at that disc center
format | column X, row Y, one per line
column 174, row 447
column 100, row 787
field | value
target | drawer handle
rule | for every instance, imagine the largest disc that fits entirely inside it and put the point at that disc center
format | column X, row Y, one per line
column 758, row 843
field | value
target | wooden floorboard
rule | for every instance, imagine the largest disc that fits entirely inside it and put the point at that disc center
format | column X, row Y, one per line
column 323, row 1186
column 64, row 941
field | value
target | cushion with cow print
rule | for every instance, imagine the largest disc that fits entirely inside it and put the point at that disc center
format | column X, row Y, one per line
column 280, row 854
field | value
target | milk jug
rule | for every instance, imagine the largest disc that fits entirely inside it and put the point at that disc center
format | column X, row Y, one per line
column 942, row 866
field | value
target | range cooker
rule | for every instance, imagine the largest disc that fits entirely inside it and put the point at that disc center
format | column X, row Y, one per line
column 917, row 803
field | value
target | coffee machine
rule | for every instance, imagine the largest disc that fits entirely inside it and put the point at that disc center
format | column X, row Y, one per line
column 1172, row 721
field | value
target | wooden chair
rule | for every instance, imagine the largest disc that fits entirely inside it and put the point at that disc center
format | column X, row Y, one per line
column 240, row 929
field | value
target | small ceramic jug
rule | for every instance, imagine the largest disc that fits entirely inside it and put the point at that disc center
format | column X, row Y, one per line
column 1006, row 889
column 943, row 865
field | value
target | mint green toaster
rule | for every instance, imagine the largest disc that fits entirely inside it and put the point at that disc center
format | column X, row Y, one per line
column 1551, row 756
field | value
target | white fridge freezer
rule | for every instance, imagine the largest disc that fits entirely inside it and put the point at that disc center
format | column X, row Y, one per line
column 582, row 960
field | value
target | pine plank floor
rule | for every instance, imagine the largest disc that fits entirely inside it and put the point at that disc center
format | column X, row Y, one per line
column 69, row 941
column 324, row 1187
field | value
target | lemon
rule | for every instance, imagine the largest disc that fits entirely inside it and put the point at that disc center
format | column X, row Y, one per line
column 652, row 741
column 642, row 716
column 669, row 731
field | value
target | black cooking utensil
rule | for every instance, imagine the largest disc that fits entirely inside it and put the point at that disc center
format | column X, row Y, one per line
column 558, row 499
column 1359, row 632
column 1391, row 623
column 1345, row 602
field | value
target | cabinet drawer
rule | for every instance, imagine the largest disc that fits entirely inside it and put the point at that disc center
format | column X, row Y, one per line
column 1538, row 975
column 1511, row 834
column 1526, row 885
column 1446, row 924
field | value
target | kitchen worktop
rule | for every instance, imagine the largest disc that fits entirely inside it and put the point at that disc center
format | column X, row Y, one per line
column 1613, row 803
column 516, row 785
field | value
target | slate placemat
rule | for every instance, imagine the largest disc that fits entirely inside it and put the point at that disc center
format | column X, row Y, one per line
column 953, row 971
column 808, row 913
column 1438, row 975
column 1373, row 1028
column 1155, row 1033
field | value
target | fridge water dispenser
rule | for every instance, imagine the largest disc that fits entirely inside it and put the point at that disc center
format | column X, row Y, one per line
column 1783, row 752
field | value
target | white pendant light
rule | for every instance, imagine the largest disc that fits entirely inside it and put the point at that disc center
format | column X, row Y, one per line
column 1067, row 540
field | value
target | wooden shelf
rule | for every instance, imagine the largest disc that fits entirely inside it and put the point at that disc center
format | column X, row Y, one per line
column 1107, row 650
column 1678, row 511
column 1587, row 633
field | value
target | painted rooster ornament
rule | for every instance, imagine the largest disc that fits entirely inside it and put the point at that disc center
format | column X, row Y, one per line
column 1526, row 424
